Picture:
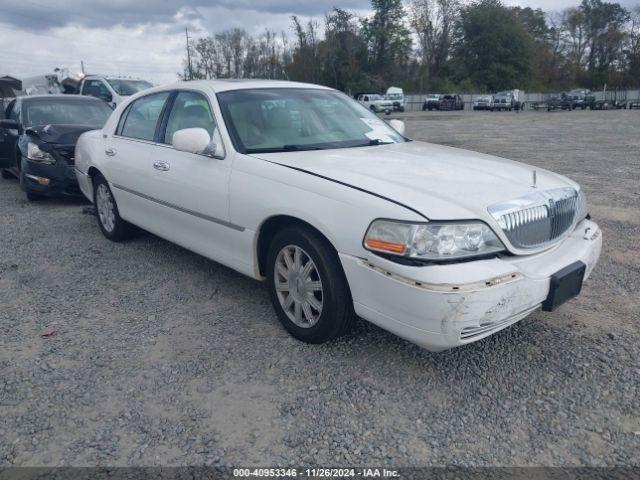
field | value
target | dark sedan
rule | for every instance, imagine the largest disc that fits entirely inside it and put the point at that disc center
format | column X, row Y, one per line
column 38, row 138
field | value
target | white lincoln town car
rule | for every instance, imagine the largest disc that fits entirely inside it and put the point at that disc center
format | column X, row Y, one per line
column 338, row 211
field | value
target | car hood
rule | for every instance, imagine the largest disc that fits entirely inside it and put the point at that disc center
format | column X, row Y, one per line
column 62, row 134
column 442, row 183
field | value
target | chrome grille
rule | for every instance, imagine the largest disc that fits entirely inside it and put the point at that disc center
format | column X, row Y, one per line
column 538, row 218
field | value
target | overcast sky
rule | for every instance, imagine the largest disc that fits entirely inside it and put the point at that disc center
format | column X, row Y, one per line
column 145, row 38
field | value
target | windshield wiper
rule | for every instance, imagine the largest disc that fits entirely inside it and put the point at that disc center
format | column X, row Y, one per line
column 375, row 141
column 284, row 148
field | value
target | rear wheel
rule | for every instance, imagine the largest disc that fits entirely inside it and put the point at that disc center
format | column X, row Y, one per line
column 112, row 225
column 308, row 288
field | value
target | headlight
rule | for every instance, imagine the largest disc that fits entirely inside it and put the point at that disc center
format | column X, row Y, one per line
column 34, row 153
column 432, row 241
column 581, row 210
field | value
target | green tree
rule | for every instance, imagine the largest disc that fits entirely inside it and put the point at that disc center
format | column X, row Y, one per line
column 493, row 49
column 604, row 24
column 433, row 22
column 343, row 52
column 388, row 39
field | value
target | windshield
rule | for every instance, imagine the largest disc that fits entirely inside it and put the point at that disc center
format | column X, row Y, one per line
column 88, row 112
column 286, row 119
column 128, row 87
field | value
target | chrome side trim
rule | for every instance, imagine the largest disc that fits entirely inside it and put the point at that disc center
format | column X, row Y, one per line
column 447, row 287
column 224, row 223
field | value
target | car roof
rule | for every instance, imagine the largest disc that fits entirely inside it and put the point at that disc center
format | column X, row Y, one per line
column 67, row 96
column 223, row 85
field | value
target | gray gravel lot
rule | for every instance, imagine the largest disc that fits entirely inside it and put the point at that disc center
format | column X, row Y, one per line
column 161, row 357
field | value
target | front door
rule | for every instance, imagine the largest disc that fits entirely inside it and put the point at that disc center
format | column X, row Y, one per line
column 193, row 188
column 8, row 139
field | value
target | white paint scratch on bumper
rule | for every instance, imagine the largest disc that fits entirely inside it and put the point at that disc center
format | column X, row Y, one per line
column 433, row 305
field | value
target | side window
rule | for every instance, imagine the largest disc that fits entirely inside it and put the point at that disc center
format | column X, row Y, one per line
column 142, row 116
column 366, row 99
column 96, row 88
column 190, row 110
column 9, row 110
column 14, row 113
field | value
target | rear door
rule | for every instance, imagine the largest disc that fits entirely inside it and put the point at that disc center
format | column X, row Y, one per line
column 128, row 164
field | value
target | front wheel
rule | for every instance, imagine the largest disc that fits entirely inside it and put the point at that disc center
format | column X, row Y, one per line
column 112, row 225
column 307, row 285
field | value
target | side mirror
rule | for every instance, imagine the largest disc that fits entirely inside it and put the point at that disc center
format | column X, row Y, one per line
column 398, row 126
column 10, row 124
column 198, row 141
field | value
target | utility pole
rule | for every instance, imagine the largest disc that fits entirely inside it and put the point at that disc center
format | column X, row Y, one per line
column 82, row 66
column 186, row 32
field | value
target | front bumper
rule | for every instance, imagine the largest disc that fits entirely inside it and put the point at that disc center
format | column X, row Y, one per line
column 443, row 306
column 61, row 175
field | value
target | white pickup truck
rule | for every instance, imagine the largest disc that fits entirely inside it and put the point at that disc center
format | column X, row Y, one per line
column 376, row 103
column 112, row 90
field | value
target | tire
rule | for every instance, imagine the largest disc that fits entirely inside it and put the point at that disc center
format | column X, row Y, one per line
column 311, row 316
column 111, row 224
column 372, row 108
column 34, row 197
column 6, row 174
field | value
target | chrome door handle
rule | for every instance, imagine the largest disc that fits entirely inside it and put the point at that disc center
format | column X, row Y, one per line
column 162, row 166
column 110, row 152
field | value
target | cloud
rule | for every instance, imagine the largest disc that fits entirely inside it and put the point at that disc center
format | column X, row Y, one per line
column 37, row 15
column 145, row 38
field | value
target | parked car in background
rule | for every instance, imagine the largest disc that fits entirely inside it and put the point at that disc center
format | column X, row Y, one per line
column 376, row 103
column 431, row 102
column 561, row 101
column 112, row 90
column 340, row 213
column 38, row 137
column 451, row 102
column 581, row 98
column 634, row 104
column 509, row 100
column 484, row 102
column 396, row 96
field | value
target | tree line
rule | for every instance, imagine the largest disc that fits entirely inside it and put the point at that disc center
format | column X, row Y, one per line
column 437, row 45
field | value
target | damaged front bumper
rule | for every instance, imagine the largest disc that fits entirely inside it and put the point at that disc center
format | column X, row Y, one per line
column 443, row 306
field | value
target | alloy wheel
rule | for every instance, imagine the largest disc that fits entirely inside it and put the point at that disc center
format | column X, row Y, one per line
column 298, row 286
column 105, row 206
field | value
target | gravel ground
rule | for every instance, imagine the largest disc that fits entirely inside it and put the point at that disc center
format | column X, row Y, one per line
column 161, row 357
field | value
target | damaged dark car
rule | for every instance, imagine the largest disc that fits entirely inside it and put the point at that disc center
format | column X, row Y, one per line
column 38, row 138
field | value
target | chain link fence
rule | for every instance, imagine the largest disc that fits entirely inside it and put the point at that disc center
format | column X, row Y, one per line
column 414, row 101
